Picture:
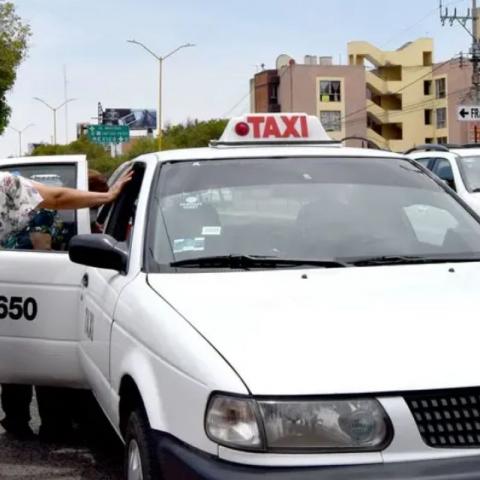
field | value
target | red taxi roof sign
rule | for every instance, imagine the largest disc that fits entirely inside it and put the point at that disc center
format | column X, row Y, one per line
column 274, row 128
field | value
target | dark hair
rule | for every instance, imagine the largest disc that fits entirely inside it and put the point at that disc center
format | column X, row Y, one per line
column 97, row 182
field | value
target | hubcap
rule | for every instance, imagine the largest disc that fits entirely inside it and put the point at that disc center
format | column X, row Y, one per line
column 134, row 461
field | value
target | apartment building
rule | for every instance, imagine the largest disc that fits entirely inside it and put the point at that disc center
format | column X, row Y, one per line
column 317, row 87
column 396, row 99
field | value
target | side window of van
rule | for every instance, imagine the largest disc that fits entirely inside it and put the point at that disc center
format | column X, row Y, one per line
column 48, row 230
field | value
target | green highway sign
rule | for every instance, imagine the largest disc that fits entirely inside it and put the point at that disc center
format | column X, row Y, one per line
column 108, row 133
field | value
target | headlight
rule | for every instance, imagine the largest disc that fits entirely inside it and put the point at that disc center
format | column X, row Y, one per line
column 303, row 425
column 233, row 422
column 327, row 425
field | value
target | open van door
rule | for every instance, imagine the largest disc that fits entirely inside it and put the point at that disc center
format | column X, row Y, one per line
column 39, row 289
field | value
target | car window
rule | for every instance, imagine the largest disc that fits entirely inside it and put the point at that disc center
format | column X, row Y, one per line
column 121, row 218
column 471, row 172
column 307, row 208
column 423, row 161
column 443, row 169
column 48, row 230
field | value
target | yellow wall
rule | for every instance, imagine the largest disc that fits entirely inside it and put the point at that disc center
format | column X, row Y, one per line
column 414, row 59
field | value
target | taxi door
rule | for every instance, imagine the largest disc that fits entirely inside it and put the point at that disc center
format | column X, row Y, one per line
column 101, row 288
column 40, row 288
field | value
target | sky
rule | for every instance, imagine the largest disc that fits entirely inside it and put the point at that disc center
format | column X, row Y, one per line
column 88, row 39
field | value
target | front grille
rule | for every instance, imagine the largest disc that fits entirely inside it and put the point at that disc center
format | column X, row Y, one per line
column 447, row 419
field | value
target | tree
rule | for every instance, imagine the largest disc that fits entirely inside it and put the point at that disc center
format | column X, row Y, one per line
column 193, row 134
column 14, row 35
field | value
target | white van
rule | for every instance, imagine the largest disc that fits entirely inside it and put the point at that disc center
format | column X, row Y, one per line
column 274, row 306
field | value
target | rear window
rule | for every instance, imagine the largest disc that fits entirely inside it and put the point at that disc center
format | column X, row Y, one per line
column 64, row 222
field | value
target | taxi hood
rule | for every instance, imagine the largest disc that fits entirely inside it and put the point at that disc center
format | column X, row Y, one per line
column 345, row 330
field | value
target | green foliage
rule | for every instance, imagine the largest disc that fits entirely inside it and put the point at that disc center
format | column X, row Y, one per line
column 14, row 35
column 191, row 135
column 142, row 145
column 98, row 157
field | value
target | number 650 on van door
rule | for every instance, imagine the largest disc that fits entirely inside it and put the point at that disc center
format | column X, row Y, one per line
column 17, row 308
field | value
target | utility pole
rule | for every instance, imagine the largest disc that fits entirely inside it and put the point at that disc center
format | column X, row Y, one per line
column 473, row 16
column 65, row 93
column 20, row 132
column 54, row 112
column 160, row 60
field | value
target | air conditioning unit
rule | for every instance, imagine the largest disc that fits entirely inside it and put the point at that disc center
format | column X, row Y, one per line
column 311, row 60
column 326, row 61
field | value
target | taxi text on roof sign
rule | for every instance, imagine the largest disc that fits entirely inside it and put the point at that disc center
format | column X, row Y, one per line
column 273, row 128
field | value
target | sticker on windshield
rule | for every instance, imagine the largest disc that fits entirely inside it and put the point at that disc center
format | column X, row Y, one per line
column 211, row 230
column 191, row 203
column 189, row 245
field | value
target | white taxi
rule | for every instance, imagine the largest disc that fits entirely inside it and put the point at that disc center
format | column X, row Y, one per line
column 457, row 165
column 275, row 306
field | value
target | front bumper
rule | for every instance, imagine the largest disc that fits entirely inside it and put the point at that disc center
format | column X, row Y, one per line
column 180, row 462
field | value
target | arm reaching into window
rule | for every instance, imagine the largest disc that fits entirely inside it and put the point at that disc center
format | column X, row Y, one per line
column 60, row 198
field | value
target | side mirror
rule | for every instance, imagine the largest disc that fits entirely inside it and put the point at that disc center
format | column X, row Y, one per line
column 98, row 250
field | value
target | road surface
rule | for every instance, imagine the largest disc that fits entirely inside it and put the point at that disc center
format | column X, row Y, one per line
column 97, row 456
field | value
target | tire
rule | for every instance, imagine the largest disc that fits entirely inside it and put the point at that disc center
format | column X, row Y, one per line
column 140, row 461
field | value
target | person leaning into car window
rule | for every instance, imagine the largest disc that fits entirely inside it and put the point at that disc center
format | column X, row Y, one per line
column 20, row 197
column 25, row 226
column 56, row 406
column 44, row 232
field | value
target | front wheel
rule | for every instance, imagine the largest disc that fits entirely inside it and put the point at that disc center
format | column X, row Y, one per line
column 140, row 458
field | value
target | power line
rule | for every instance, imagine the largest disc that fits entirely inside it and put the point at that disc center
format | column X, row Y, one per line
column 250, row 90
column 413, row 107
column 472, row 15
column 430, row 72
column 427, row 15
column 227, row 113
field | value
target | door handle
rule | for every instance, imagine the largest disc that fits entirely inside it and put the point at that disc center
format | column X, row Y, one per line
column 85, row 280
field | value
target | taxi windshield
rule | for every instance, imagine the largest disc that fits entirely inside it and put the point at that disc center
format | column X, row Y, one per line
column 471, row 172
column 304, row 208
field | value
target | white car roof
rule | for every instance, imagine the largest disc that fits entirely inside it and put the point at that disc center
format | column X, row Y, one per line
column 466, row 152
column 219, row 152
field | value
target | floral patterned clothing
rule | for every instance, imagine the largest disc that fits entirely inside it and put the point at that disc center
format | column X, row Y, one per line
column 18, row 200
column 43, row 221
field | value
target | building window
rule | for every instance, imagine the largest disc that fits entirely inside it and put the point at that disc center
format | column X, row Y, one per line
column 440, row 88
column 427, row 59
column 442, row 140
column 441, row 117
column 273, row 92
column 331, row 121
column 330, row 91
column 428, row 140
column 427, row 87
column 428, row 116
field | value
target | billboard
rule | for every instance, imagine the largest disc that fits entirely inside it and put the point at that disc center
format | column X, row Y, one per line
column 135, row 119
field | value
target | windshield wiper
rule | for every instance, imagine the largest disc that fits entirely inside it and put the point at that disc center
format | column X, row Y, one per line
column 408, row 260
column 245, row 262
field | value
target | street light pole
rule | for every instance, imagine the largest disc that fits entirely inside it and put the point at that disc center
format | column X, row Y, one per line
column 160, row 60
column 54, row 111
column 20, row 131
column 159, row 113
